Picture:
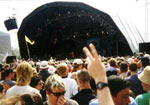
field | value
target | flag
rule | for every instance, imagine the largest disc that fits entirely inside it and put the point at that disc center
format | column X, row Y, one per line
column 28, row 40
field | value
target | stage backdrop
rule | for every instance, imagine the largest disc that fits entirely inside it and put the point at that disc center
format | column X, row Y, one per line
column 57, row 29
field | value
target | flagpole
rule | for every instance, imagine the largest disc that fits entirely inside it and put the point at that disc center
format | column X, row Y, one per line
column 28, row 49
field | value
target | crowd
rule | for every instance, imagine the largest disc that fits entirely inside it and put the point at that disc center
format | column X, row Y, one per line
column 95, row 80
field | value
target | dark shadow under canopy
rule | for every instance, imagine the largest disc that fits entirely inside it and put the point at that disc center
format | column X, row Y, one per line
column 60, row 28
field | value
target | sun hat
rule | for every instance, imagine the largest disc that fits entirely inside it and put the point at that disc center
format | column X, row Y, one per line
column 77, row 61
column 145, row 75
column 147, row 55
column 44, row 65
column 130, row 60
column 51, row 69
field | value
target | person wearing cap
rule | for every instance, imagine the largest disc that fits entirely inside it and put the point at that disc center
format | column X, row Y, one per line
column 55, row 89
column 44, row 73
column 144, row 77
column 77, row 65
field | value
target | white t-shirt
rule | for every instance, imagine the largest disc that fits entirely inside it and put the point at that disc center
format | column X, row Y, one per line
column 18, row 90
column 71, row 87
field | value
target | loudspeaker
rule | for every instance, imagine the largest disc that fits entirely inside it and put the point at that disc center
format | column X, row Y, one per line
column 10, row 59
column 144, row 47
column 10, row 24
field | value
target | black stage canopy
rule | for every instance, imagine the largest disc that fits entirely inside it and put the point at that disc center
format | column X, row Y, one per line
column 61, row 29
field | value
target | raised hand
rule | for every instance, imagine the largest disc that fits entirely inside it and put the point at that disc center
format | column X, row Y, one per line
column 95, row 66
column 61, row 101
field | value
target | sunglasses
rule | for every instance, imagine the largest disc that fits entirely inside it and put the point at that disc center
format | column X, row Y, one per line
column 58, row 94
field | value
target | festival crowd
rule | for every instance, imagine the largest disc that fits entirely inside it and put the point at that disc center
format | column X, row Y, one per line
column 95, row 80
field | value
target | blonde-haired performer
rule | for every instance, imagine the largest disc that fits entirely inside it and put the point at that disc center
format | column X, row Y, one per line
column 24, row 73
column 55, row 90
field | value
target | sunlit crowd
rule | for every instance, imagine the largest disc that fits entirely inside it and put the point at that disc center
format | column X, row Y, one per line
column 68, row 81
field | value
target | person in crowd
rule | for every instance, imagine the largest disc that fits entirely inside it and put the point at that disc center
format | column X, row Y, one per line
column 31, row 99
column 6, row 66
column 55, row 90
column 2, row 91
column 1, row 68
column 77, row 65
column 8, row 76
column 44, row 73
column 35, row 73
column 85, row 92
column 97, row 71
column 135, row 83
column 130, row 60
column 144, row 62
column 0, row 74
column 13, row 100
column 52, row 69
column 24, row 99
column 71, row 84
column 144, row 77
column 37, row 65
column 111, row 69
column 119, row 89
column 69, row 65
column 31, row 62
column 36, row 82
column 123, row 69
column 24, row 73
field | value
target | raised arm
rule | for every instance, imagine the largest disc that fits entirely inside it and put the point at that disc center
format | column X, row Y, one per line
column 97, row 71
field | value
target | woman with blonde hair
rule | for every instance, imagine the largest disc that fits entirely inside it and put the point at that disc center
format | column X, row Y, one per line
column 24, row 73
column 24, row 99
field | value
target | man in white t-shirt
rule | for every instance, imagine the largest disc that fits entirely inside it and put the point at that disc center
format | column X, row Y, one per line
column 71, row 84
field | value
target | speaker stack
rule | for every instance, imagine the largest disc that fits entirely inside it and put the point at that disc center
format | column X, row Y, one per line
column 144, row 47
column 10, row 24
column 10, row 59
